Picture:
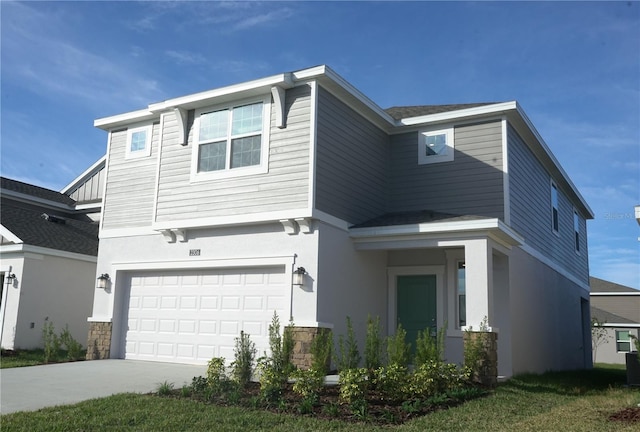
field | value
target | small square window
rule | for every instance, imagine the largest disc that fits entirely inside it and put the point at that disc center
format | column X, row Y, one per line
column 138, row 142
column 435, row 146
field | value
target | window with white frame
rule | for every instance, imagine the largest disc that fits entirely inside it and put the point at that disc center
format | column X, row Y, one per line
column 623, row 341
column 138, row 142
column 435, row 146
column 576, row 230
column 461, row 295
column 555, row 215
column 231, row 140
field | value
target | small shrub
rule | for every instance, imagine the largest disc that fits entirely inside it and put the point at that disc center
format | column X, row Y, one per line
column 185, row 391
column 244, row 354
column 398, row 350
column 354, row 385
column 432, row 378
column 165, row 388
column 199, row 385
column 217, row 379
column 332, row 409
column 321, row 351
column 393, row 382
column 276, row 368
column 73, row 347
column 476, row 357
column 51, row 341
column 429, row 349
column 306, row 406
column 308, row 383
column 347, row 355
column 373, row 345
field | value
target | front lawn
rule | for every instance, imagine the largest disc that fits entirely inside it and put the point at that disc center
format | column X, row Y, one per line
column 569, row 401
column 20, row 358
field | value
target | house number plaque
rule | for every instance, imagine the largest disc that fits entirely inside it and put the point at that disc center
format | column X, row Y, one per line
column 194, row 252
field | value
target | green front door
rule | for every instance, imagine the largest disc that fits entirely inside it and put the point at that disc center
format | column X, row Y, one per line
column 416, row 305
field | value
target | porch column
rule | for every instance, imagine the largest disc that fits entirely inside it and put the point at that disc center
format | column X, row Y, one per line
column 478, row 258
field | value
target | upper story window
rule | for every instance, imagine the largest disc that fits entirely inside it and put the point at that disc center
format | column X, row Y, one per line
column 576, row 230
column 138, row 142
column 555, row 221
column 435, row 146
column 231, row 140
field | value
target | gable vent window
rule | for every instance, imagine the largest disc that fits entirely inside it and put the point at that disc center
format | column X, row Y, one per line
column 138, row 142
column 231, row 140
column 435, row 146
column 555, row 221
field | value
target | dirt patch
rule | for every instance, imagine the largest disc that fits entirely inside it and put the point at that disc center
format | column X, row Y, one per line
column 627, row 415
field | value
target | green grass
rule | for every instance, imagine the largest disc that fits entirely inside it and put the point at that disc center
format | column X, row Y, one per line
column 21, row 358
column 567, row 401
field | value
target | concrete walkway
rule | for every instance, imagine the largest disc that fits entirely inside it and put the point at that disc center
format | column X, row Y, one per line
column 34, row 387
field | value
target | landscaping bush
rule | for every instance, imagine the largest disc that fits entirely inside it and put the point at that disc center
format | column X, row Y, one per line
column 398, row 350
column 373, row 345
column 393, row 382
column 354, row 385
column 51, row 341
column 434, row 378
column 321, row 351
column 308, row 383
column 429, row 349
column 347, row 354
column 276, row 367
column 73, row 347
column 245, row 353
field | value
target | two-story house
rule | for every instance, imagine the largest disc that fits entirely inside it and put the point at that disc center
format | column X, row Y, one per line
column 296, row 193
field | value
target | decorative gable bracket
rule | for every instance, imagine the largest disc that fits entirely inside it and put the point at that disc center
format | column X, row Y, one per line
column 171, row 235
column 279, row 98
column 294, row 226
column 181, row 119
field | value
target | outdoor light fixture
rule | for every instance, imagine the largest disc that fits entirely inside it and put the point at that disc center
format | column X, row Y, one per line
column 10, row 278
column 103, row 281
column 298, row 276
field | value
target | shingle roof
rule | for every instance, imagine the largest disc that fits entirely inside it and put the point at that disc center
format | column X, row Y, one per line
column 61, row 233
column 601, row 285
column 35, row 191
column 607, row 317
column 401, row 112
column 414, row 217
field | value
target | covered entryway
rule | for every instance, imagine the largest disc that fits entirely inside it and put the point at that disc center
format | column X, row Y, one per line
column 190, row 316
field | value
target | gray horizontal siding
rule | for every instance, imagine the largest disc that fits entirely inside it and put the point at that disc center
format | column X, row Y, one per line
column 627, row 307
column 471, row 184
column 285, row 186
column 351, row 162
column 530, row 197
column 130, row 184
column 91, row 189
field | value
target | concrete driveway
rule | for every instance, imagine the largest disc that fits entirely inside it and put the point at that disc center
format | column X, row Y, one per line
column 34, row 387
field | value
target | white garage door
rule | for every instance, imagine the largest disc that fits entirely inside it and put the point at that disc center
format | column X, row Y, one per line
column 190, row 317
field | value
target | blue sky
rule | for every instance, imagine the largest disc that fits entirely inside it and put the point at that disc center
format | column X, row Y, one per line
column 574, row 67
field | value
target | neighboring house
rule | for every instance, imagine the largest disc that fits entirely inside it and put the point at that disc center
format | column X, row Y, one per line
column 428, row 216
column 48, row 249
column 617, row 309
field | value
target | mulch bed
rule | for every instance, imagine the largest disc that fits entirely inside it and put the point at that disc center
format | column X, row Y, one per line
column 627, row 415
column 328, row 406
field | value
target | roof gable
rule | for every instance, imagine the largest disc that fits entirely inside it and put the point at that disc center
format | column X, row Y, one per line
column 35, row 191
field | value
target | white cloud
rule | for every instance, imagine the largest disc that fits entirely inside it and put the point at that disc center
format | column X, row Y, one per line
column 185, row 57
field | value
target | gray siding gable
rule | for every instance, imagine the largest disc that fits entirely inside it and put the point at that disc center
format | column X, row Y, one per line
column 351, row 162
column 471, row 184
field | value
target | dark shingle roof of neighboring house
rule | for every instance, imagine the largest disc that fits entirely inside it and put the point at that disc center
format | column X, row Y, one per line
column 414, row 217
column 600, row 285
column 400, row 112
column 604, row 316
column 35, row 191
column 38, row 223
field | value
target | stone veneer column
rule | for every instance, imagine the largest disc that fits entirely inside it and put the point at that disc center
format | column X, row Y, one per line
column 99, row 340
column 302, row 339
column 487, row 367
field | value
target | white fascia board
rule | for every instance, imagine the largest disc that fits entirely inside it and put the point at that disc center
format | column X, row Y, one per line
column 4, row 232
column 615, row 294
column 491, row 226
column 493, row 109
column 120, row 120
column 247, row 219
column 97, row 166
column 259, row 86
column 555, row 164
column 23, row 248
column 620, row 325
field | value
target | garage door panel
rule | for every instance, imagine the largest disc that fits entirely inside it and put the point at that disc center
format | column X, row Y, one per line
column 190, row 317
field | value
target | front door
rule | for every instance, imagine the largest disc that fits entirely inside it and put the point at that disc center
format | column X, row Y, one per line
column 416, row 300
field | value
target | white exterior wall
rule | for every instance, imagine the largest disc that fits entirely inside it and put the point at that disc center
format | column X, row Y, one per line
column 48, row 287
column 350, row 283
column 607, row 352
column 225, row 247
column 547, row 325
